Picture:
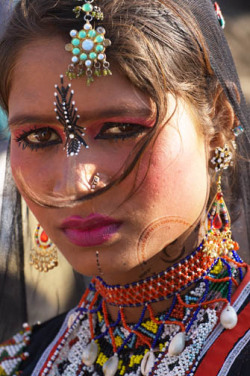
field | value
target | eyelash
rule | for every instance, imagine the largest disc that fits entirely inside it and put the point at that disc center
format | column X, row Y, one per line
column 137, row 129
column 22, row 139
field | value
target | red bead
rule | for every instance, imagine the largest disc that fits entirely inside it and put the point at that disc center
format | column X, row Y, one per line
column 44, row 237
column 236, row 246
column 217, row 222
column 219, row 196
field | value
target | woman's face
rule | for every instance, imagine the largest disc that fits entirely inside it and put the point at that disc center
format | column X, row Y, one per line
column 125, row 230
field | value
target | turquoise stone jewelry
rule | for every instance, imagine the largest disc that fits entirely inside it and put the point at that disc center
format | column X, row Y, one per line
column 88, row 45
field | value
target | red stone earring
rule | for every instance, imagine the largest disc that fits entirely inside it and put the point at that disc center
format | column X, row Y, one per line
column 218, row 241
column 43, row 255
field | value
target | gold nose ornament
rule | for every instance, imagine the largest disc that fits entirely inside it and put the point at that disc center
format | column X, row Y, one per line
column 95, row 181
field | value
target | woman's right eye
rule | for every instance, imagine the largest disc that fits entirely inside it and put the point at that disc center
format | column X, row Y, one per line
column 38, row 138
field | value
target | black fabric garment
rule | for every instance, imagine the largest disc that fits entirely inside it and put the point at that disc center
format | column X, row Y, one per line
column 42, row 336
column 241, row 366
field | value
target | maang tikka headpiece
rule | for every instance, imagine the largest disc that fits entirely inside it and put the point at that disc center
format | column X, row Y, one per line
column 88, row 45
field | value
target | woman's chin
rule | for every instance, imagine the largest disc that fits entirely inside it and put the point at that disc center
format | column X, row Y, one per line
column 109, row 268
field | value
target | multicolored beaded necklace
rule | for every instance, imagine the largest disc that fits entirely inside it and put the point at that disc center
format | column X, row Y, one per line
column 13, row 352
column 92, row 344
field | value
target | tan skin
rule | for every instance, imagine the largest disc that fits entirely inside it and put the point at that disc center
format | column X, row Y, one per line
column 175, row 187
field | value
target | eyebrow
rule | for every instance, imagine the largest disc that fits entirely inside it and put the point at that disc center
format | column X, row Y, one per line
column 22, row 119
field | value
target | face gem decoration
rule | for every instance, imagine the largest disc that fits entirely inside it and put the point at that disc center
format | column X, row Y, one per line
column 67, row 116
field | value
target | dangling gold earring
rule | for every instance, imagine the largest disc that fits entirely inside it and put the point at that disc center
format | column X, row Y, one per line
column 218, row 241
column 43, row 255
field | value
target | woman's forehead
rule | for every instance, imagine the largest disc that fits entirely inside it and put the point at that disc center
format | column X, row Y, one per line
column 38, row 70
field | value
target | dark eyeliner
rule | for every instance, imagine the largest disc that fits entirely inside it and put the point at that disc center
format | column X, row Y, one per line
column 22, row 139
column 138, row 129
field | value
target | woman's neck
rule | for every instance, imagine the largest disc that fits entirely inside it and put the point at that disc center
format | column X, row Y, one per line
column 167, row 258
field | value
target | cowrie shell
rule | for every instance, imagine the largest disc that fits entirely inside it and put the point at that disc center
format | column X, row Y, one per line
column 89, row 354
column 147, row 363
column 177, row 345
column 110, row 366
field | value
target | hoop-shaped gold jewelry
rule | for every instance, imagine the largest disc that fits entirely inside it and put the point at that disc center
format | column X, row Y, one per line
column 43, row 255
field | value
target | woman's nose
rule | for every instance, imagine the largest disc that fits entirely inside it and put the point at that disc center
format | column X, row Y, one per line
column 77, row 179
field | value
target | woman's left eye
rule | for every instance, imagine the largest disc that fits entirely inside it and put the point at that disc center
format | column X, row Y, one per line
column 120, row 131
column 38, row 138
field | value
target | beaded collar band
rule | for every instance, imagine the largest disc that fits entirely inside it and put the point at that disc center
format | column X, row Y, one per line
column 159, row 287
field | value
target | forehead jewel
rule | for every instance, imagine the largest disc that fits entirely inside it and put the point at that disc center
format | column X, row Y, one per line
column 88, row 45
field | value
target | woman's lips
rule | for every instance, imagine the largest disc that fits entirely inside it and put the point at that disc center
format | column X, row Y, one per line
column 91, row 231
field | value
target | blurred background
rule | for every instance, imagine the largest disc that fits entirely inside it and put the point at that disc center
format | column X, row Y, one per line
column 237, row 31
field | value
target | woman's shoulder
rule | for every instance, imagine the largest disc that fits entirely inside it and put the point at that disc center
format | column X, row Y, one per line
column 20, row 354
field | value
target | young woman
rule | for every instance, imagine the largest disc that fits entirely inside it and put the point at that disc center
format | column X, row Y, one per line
column 125, row 133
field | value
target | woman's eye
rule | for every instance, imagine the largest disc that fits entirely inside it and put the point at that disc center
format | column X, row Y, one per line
column 43, row 135
column 120, row 131
column 38, row 138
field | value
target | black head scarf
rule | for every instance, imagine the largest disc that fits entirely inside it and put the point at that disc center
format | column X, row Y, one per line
column 224, row 68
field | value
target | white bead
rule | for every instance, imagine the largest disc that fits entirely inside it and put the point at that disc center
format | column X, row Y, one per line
column 111, row 366
column 177, row 345
column 88, row 63
column 75, row 59
column 101, row 57
column 228, row 317
column 147, row 363
column 71, row 136
column 73, row 33
column 87, row 26
column 87, row 45
column 89, row 354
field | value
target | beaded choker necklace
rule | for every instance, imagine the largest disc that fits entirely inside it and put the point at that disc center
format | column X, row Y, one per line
column 93, row 344
column 158, row 287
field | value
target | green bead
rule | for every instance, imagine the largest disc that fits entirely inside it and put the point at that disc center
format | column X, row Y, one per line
column 87, row 7
column 92, row 33
column 107, row 72
column 92, row 55
column 99, row 39
column 99, row 48
column 89, row 80
column 75, row 42
column 70, row 75
column 82, row 34
column 76, row 51
column 83, row 57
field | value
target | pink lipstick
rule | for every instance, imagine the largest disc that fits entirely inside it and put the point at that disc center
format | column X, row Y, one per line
column 91, row 231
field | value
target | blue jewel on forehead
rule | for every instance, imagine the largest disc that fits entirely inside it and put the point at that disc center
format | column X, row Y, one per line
column 68, row 117
column 88, row 45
